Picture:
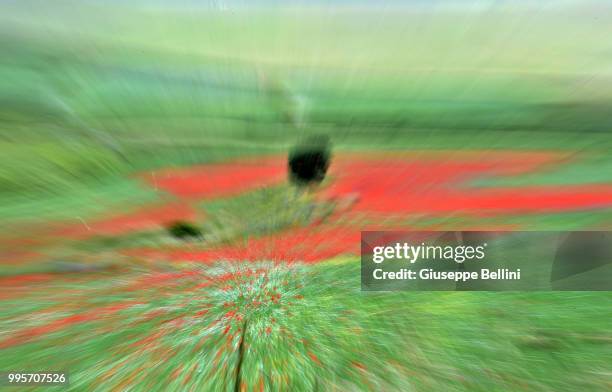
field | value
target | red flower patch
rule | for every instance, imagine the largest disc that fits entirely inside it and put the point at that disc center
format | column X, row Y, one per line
column 221, row 179
column 381, row 185
column 424, row 185
column 299, row 245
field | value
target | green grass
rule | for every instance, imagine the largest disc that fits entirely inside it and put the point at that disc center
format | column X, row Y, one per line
column 261, row 212
column 310, row 328
column 92, row 96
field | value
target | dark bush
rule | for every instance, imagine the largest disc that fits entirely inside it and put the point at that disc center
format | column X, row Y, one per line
column 184, row 230
column 309, row 161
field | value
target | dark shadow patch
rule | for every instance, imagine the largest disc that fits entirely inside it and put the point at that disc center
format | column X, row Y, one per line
column 184, row 230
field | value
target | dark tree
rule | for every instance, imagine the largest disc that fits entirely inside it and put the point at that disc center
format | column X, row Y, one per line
column 309, row 161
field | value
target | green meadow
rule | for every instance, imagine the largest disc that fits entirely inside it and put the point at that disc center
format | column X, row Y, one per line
column 94, row 94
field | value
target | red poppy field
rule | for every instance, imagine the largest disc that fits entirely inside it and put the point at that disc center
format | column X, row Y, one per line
column 270, row 300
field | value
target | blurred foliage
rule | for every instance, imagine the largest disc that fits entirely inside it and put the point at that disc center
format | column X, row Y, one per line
column 264, row 211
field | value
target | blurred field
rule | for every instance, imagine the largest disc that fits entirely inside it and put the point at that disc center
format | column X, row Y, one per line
column 115, row 119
